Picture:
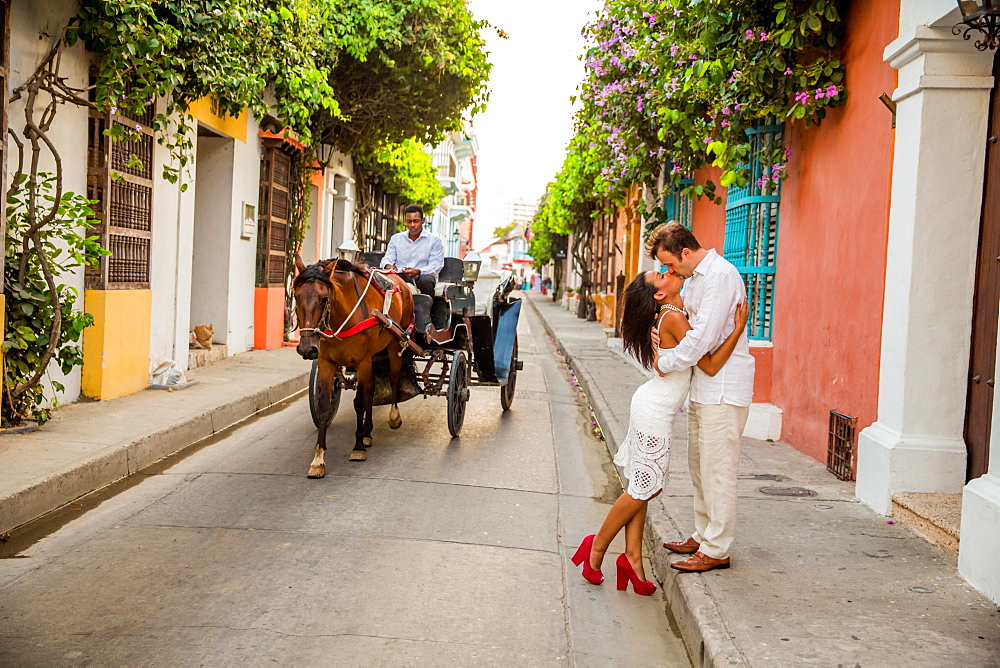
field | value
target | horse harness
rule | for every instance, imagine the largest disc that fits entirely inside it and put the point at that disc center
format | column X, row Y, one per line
column 383, row 285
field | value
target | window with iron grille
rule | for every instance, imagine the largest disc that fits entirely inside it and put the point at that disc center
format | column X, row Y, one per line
column 840, row 448
column 274, row 213
column 752, row 230
column 123, row 188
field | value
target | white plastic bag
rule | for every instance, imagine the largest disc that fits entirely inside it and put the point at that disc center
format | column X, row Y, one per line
column 167, row 373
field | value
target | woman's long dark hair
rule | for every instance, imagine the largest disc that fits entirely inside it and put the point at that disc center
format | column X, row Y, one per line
column 639, row 311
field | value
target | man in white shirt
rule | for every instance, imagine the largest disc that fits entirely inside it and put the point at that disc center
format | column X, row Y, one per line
column 418, row 252
column 719, row 404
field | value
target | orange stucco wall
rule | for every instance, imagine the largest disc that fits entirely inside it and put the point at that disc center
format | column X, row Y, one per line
column 709, row 219
column 268, row 317
column 831, row 245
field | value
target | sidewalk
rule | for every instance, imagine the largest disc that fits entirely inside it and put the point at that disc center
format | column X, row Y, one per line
column 818, row 579
column 89, row 444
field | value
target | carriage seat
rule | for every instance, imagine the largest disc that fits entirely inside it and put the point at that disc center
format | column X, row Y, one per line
column 451, row 274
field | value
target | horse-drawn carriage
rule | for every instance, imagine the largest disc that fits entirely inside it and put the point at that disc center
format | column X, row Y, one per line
column 414, row 344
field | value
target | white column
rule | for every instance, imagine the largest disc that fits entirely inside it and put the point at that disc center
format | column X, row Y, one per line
column 943, row 96
column 980, row 543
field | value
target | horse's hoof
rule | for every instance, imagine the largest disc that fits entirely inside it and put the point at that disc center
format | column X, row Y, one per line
column 358, row 455
column 367, row 442
column 317, row 471
column 395, row 419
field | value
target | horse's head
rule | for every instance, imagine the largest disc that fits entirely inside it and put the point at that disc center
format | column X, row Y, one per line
column 312, row 289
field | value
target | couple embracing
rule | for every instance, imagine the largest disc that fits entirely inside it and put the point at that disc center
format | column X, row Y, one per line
column 700, row 352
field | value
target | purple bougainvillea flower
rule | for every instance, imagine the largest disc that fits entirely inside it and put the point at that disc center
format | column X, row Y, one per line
column 763, row 36
column 726, row 111
column 820, row 93
column 802, row 97
column 831, row 91
column 749, row 34
column 708, row 140
column 788, row 71
column 737, row 106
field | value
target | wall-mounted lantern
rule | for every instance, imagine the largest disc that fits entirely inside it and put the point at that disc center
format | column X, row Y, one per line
column 982, row 16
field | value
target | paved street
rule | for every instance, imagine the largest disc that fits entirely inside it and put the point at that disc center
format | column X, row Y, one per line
column 434, row 551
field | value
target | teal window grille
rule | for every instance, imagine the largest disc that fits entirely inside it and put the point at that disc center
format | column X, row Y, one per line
column 752, row 230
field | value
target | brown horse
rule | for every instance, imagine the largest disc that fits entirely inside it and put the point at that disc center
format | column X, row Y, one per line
column 334, row 300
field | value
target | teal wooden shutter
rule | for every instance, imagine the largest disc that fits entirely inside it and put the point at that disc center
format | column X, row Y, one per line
column 752, row 231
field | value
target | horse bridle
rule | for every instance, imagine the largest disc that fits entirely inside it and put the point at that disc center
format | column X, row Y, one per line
column 323, row 326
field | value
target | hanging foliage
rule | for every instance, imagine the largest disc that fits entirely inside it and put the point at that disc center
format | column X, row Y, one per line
column 679, row 82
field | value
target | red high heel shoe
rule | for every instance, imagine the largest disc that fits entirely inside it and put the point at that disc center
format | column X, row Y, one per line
column 627, row 573
column 590, row 574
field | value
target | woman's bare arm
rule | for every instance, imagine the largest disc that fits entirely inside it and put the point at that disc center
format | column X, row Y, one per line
column 678, row 326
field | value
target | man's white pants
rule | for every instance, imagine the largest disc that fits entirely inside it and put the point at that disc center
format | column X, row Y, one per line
column 714, row 432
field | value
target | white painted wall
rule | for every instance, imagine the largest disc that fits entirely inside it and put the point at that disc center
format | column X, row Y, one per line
column 34, row 28
column 243, row 252
column 170, row 262
column 340, row 193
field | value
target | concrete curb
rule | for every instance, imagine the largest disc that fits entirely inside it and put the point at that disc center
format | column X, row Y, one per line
column 20, row 506
column 696, row 611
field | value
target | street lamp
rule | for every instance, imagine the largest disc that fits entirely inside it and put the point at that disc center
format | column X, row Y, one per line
column 349, row 251
column 983, row 16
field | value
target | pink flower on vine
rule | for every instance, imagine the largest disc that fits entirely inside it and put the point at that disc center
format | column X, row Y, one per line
column 763, row 36
column 802, row 97
column 750, row 34
column 725, row 124
column 788, row 71
column 831, row 91
column 708, row 140
column 726, row 111
column 738, row 106
column 676, row 169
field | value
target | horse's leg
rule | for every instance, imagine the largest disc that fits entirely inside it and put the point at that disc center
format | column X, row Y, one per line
column 395, row 368
column 324, row 405
column 363, row 398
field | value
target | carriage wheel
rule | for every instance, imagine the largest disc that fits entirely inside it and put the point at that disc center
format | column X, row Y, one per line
column 507, row 390
column 458, row 392
column 314, row 400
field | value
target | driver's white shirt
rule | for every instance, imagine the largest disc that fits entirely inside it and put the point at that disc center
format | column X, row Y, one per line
column 710, row 298
column 426, row 253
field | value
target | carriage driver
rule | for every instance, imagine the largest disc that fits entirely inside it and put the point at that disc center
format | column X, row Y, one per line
column 416, row 254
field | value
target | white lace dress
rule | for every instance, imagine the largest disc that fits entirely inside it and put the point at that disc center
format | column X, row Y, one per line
column 645, row 453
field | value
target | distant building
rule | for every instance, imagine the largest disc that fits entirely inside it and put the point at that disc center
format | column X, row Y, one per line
column 452, row 221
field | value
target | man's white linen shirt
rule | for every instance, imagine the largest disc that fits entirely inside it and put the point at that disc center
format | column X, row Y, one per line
column 710, row 298
column 426, row 253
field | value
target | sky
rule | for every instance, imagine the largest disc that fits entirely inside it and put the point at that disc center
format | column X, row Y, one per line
column 529, row 119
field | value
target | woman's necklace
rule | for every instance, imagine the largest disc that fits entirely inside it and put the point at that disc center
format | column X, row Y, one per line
column 671, row 307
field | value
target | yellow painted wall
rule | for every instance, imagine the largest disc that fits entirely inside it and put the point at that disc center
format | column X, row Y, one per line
column 116, row 348
column 231, row 126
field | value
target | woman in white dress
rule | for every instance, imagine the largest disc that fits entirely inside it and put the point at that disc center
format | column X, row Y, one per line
column 651, row 298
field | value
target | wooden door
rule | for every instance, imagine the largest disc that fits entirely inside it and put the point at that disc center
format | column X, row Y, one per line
column 982, row 366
